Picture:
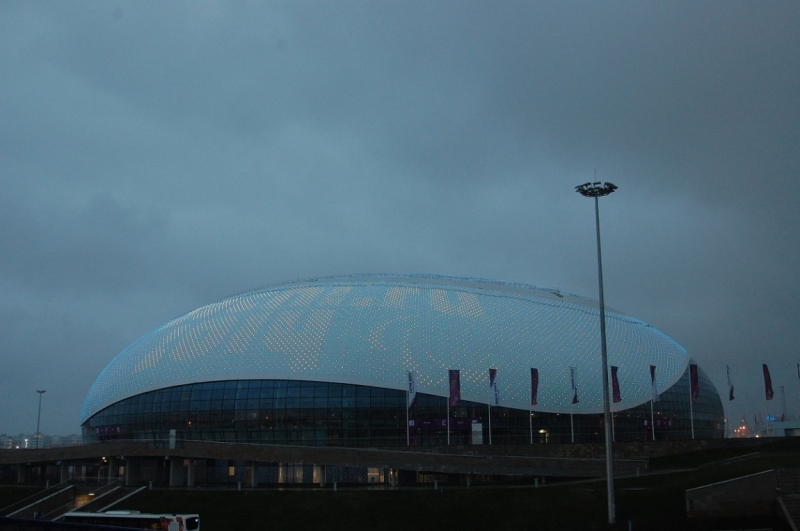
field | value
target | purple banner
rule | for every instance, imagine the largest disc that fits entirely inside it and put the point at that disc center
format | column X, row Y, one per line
column 494, row 395
column 534, row 386
column 653, row 386
column 767, row 383
column 617, row 397
column 572, row 371
column 454, row 376
column 695, row 382
column 412, row 391
column 730, row 385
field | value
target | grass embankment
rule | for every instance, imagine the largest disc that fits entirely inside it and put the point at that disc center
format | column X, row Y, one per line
column 653, row 502
column 11, row 494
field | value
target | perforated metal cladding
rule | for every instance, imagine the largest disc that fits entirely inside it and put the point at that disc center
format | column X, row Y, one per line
column 372, row 330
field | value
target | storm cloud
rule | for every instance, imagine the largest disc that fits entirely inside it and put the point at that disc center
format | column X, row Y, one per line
column 155, row 157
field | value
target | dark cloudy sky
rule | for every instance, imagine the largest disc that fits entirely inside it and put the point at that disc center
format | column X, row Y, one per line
column 158, row 156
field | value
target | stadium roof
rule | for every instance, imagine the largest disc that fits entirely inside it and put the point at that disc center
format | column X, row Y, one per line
column 374, row 329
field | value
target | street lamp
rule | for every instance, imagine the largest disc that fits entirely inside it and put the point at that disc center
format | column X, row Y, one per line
column 596, row 190
column 38, row 418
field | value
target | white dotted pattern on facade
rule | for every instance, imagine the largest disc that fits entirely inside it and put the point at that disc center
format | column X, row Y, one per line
column 373, row 329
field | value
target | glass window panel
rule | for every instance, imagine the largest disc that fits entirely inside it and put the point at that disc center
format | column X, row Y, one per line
column 335, row 402
column 266, row 392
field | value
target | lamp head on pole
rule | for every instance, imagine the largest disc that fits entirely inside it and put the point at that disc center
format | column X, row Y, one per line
column 596, row 189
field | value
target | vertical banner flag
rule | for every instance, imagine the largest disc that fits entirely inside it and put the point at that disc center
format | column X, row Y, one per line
column 494, row 396
column 653, row 386
column 730, row 385
column 574, row 387
column 767, row 383
column 412, row 390
column 617, row 397
column 694, row 382
column 454, row 376
column 534, row 386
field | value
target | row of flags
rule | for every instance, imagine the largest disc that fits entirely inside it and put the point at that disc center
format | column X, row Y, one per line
column 454, row 378
column 768, row 391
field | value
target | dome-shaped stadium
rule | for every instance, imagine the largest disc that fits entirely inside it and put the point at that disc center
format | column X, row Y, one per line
column 326, row 362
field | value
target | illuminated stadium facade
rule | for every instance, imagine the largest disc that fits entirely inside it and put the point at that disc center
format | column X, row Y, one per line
column 325, row 362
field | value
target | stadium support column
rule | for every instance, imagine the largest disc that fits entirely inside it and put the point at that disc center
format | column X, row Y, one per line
column 133, row 469
column 113, row 470
column 22, row 473
column 176, row 472
column 64, row 471
column 253, row 474
column 191, row 472
column 596, row 190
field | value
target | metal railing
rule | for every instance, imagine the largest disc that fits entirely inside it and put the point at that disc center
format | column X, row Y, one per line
column 98, row 493
column 11, row 509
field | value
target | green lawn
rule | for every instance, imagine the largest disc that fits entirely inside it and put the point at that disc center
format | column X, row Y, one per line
column 650, row 503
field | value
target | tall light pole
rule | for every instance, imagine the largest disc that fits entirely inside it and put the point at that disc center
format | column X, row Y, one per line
column 38, row 418
column 596, row 190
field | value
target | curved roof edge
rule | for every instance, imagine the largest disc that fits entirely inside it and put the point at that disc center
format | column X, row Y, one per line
column 399, row 381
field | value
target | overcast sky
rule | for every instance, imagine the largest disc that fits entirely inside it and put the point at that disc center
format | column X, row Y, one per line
column 159, row 156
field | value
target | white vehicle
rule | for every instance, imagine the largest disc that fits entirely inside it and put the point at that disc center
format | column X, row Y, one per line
column 137, row 520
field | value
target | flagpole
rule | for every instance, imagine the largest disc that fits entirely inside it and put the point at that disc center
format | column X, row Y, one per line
column 408, row 434
column 691, row 405
column 613, row 431
column 530, row 421
column 490, row 421
column 783, row 394
column 652, row 422
column 571, row 425
column 448, row 419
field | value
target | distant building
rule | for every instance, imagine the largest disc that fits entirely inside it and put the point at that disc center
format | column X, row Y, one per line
column 325, row 362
